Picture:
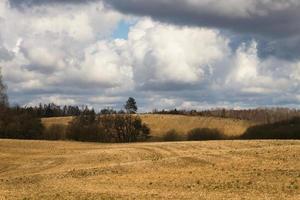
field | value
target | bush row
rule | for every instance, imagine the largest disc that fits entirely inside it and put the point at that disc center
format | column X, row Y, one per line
column 16, row 123
column 288, row 129
column 197, row 134
column 100, row 128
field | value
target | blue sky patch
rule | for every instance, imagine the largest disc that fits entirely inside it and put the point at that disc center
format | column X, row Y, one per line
column 122, row 30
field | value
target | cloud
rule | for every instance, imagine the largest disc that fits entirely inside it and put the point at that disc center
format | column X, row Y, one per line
column 58, row 99
column 274, row 23
column 20, row 3
column 64, row 52
column 177, row 66
column 239, row 78
column 5, row 55
column 51, row 40
column 169, row 57
column 59, row 49
column 102, row 65
column 271, row 17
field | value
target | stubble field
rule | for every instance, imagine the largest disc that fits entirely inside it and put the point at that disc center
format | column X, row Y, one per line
column 180, row 170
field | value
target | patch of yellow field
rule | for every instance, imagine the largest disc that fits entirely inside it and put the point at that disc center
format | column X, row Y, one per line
column 160, row 124
column 181, row 170
column 56, row 120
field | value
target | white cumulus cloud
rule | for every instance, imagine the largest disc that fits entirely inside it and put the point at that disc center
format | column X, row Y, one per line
column 65, row 53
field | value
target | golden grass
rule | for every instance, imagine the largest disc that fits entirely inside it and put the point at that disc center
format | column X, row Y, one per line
column 183, row 170
column 160, row 124
column 56, row 120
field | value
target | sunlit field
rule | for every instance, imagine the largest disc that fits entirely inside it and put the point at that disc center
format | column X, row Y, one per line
column 150, row 99
column 182, row 170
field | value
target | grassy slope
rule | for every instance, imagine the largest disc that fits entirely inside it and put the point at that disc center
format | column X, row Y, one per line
column 159, row 124
column 185, row 170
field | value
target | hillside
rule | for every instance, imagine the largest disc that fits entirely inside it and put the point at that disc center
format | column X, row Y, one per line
column 183, row 170
column 160, row 124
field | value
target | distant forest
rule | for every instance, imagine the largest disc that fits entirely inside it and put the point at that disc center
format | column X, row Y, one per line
column 259, row 115
column 53, row 110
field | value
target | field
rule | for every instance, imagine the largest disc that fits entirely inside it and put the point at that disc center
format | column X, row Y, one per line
column 182, row 170
column 159, row 124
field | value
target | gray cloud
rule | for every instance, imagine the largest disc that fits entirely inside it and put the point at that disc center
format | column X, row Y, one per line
column 273, row 18
column 5, row 55
column 18, row 3
column 274, row 24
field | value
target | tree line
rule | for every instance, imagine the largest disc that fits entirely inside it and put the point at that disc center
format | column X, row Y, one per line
column 53, row 110
column 259, row 115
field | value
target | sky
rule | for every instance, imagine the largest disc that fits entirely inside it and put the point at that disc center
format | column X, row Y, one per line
column 184, row 54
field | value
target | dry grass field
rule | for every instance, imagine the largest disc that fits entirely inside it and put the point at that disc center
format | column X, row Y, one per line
column 56, row 120
column 182, row 170
column 160, row 124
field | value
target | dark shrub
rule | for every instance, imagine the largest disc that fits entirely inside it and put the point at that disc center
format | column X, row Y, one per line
column 55, row 132
column 17, row 123
column 172, row 135
column 108, row 128
column 204, row 134
column 86, row 128
column 124, row 127
column 289, row 129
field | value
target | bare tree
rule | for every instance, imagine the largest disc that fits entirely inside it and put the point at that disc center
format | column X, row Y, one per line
column 3, row 95
column 124, row 127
